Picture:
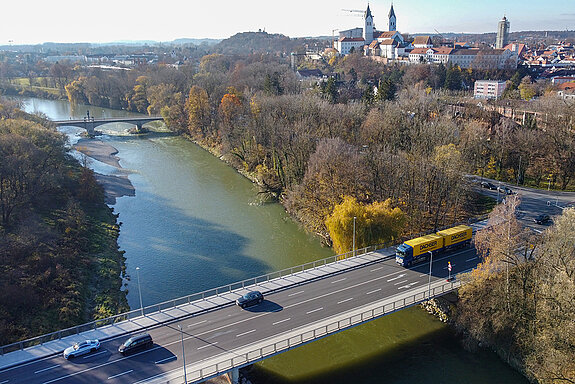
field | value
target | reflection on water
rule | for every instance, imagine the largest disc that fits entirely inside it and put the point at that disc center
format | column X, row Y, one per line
column 195, row 224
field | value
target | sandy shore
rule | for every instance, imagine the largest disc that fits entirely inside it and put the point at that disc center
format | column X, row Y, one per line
column 114, row 185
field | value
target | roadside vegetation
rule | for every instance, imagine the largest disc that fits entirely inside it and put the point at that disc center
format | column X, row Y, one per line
column 59, row 259
column 520, row 301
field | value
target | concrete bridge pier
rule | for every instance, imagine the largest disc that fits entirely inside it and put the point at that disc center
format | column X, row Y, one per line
column 234, row 376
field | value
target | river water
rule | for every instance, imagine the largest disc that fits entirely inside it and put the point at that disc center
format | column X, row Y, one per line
column 195, row 223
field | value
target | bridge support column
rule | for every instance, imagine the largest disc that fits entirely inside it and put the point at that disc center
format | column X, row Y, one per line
column 234, row 375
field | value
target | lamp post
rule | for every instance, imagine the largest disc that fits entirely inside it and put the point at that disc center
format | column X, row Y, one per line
column 183, row 354
column 429, row 283
column 353, row 247
column 140, row 290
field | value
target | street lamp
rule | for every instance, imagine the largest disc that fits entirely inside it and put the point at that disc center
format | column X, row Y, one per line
column 353, row 247
column 140, row 290
column 430, row 264
column 183, row 354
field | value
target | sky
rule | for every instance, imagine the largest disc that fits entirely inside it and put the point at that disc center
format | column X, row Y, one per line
column 38, row 21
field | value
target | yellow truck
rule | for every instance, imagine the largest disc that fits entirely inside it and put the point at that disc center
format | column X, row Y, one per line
column 416, row 250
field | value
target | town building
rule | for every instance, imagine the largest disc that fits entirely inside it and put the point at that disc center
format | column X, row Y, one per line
column 488, row 89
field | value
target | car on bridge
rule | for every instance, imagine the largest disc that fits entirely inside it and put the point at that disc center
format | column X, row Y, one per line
column 136, row 343
column 250, row 299
column 81, row 348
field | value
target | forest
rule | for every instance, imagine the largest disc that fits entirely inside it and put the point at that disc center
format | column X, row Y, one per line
column 59, row 259
column 393, row 146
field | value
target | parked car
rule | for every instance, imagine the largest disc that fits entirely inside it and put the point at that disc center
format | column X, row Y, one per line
column 81, row 348
column 504, row 189
column 542, row 219
column 488, row 185
column 249, row 299
column 136, row 343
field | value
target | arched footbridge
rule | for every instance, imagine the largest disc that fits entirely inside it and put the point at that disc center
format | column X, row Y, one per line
column 90, row 123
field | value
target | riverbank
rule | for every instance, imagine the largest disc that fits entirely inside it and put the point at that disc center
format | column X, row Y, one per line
column 115, row 186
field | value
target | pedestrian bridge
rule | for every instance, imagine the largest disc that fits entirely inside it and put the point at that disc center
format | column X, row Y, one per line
column 89, row 123
column 351, row 289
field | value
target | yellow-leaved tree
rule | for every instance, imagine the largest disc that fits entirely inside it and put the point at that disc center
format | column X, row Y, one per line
column 375, row 223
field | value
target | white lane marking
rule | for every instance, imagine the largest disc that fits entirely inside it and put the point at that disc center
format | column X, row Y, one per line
column 407, row 286
column 281, row 321
column 337, row 281
column 94, row 354
column 102, row 365
column 166, row 359
column 471, row 259
column 375, row 290
column 343, row 301
column 209, row 345
column 198, row 323
column 4, row 382
column 401, row 282
column 397, row 277
column 47, row 369
column 314, row 310
column 120, row 374
column 245, row 333
column 296, row 293
column 375, row 269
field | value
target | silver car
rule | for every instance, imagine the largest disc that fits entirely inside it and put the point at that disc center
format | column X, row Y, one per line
column 81, row 348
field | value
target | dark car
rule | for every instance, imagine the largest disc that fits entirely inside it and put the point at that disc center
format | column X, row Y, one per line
column 488, row 185
column 542, row 219
column 249, row 299
column 504, row 189
column 136, row 343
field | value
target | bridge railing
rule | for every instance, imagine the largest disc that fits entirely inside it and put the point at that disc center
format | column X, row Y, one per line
column 277, row 345
column 169, row 304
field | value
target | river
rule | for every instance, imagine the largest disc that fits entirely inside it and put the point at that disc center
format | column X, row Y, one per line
column 195, row 223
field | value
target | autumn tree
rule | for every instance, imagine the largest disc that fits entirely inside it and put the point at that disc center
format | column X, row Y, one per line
column 198, row 108
column 376, row 223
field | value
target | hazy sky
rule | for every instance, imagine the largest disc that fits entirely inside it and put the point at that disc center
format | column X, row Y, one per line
column 37, row 21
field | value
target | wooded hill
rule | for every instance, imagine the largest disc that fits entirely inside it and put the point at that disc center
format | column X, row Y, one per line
column 59, row 260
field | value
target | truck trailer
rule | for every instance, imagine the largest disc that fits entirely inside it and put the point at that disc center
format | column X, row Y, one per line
column 417, row 250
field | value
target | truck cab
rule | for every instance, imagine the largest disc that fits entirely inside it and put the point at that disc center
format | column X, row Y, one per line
column 404, row 255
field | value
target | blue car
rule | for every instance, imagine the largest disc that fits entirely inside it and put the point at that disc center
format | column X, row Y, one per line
column 249, row 299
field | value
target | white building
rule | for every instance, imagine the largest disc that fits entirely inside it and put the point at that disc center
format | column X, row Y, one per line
column 488, row 89
column 344, row 45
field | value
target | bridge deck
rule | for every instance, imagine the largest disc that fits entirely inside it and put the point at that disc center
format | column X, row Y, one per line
column 54, row 347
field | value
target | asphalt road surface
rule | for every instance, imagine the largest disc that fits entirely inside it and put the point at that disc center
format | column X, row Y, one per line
column 230, row 327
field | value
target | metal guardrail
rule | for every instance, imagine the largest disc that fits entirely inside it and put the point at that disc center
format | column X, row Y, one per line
column 356, row 318
column 39, row 340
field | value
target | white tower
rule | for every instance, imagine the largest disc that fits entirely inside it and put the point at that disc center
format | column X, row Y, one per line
column 392, row 24
column 502, row 33
column 368, row 30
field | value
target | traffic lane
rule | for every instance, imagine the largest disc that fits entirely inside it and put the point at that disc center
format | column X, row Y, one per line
column 92, row 368
column 310, row 310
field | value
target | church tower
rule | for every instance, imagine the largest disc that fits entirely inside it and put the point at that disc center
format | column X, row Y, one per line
column 502, row 33
column 368, row 30
column 392, row 25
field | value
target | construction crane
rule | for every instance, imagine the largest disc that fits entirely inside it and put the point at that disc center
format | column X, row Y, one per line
column 356, row 11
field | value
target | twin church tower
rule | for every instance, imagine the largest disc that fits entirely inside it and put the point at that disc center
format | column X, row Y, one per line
column 368, row 31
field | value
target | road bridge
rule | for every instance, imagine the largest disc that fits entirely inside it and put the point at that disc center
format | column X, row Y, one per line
column 302, row 304
column 89, row 123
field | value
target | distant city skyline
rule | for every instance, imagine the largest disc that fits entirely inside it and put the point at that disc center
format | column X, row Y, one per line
column 63, row 21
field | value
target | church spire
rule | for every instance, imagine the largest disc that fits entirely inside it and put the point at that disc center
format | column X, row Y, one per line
column 392, row 19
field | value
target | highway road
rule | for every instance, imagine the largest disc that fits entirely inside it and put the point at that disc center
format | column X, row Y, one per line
column 533, row 202
column 213, row 333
